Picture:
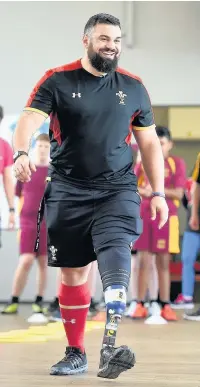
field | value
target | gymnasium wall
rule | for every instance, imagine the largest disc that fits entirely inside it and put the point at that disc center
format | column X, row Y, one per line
column 39, row 35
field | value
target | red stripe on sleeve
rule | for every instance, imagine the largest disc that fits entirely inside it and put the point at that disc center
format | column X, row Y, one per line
column 68, row 67
column 48, row 74
column 128, row 137
column 55, row 128
column 124, row 72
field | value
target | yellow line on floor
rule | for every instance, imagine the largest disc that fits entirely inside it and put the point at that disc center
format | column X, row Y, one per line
column 49, row 332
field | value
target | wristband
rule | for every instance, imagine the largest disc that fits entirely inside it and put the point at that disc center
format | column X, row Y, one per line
column 161, row 194
column 18, row 154
column 11, row 209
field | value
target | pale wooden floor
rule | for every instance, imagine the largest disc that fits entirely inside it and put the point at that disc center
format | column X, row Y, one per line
column 167, row 356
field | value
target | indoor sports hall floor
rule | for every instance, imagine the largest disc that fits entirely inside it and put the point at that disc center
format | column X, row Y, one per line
column 167, row 355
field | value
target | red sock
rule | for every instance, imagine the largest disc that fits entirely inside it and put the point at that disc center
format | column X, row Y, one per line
column 74, row 304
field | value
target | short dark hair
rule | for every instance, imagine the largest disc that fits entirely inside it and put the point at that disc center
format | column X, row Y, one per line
column 43, row 137
column 1, row 113
column 162, row 131
column 101, row 18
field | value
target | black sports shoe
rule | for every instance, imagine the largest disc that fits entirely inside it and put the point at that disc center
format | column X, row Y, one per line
column 195, row 316
column 74, row 362
column 93, row 309
column 54, row 305
column 113, row 361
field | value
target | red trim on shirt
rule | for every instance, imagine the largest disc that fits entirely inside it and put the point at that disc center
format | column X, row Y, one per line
column 67, row 67
column 128, row 137
column 122, row 71
column 55, row 128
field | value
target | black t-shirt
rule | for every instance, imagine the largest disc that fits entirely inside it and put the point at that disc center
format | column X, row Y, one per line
column 91, row 121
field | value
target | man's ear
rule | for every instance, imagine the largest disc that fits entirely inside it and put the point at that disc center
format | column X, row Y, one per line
column 85, row 41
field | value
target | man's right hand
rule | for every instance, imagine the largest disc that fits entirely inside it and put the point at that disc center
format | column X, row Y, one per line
column 23, row 169
column 194, row 222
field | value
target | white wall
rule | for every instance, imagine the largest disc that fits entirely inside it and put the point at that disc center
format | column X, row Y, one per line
column 39, row 35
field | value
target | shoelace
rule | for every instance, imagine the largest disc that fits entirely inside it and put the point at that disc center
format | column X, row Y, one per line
column 107, row 352
column 73, row 357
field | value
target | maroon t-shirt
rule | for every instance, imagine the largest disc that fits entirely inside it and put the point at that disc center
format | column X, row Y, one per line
column 175, row 177
column 6, row 155
column 30, row 195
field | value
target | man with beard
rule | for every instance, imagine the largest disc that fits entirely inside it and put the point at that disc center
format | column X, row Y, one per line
column 91, row 200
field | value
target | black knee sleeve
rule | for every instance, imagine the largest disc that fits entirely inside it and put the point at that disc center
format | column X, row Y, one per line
column 115, row 266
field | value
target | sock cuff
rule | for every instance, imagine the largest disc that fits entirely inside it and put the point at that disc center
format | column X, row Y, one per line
column 15, row 300
column 38, row 299
column 74, row 295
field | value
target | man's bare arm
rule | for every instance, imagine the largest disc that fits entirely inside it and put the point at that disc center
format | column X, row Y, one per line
column 29, row 122
column 146, row 192
column 152, row 157
column 9, row 186
column 196, row 200
column 194, row 219
column 174, row 193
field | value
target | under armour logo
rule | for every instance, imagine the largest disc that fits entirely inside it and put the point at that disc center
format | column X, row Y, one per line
column 121, row 96
column 74, row 95
column 72, row 321
column 53, row 251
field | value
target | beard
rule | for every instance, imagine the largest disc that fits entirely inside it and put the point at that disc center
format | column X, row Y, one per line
column 101, row 64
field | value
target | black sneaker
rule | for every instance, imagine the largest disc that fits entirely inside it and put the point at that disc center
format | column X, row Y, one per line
column 113, row 361
column 53, row 306
column 195, row 316
column 55, row 316
column 93, row 309
column 74, row 362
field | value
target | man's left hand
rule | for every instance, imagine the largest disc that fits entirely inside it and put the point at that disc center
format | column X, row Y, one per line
column 158, row 204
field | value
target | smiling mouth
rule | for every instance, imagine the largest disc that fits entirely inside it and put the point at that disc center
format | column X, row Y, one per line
column 109, row 54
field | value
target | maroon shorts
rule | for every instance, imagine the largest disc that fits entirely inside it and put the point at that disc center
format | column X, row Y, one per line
column 165, row 240
column 27, row 238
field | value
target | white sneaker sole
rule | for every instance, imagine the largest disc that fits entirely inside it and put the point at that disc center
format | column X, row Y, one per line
column 182, row 306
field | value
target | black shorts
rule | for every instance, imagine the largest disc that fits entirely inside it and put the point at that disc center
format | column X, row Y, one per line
column 81, row 221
